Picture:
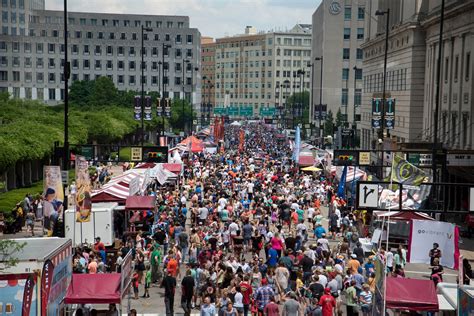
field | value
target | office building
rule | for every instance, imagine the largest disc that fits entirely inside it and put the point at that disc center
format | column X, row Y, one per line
column 208, row 70
column 456, row 107
column 251, row 70
column 338, row 32
column 405, row 76
column 100, row 44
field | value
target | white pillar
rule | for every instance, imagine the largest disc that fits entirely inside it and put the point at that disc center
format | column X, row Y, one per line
column 22, row 93
column 34, row 94
column 58, row 94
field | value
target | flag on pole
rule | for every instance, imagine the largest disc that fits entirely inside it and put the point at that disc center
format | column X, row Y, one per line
column 341, row 192
column 405, row 172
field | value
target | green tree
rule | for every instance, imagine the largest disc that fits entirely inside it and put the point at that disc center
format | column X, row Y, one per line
column 8, row 250
column 329, row 124
column 294, row 102
column 103, row 92
column 180, row 120
column 80, row 92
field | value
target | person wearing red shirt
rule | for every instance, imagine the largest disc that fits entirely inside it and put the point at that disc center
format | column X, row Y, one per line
column 246, row 290
column 327, row 302
column 271, row 309
column 172, row 266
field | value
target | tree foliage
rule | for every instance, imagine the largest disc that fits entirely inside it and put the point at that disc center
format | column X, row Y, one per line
column 329, row 124
column 8, row 249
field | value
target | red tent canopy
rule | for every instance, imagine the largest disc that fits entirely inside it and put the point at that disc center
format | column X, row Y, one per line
column 173, row 167
column 94, row 289
column 140, row 202
column 306, row 160
column 411, row 294
column 195, row 143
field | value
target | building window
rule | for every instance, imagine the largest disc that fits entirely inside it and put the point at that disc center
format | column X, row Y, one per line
column 51, row 48
column 358, row 74
column 131, row 80
column 131, row 65
column 347, row 33
column 345, row 73
column 359, row 53
column 468, row 66
column 85, row 64
column 347, row 13
column 344, row 97
column 52, row 77
column 446, row 68
column 360, row 33
column 346, row 53
column 86, row 49
column 361, row 13
column 189, row 39
column 178, row 39
column 52, row 94
column 358, row 97
column 16, row 76
column 169, row 24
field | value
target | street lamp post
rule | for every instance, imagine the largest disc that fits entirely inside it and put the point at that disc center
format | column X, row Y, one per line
column 144, row 29
column 311, row 105
column 320, row 99
column 287, row 85
column 165, row 46
column 209, row 89
column 382, row 13
column 354, row 124
column 203, row 99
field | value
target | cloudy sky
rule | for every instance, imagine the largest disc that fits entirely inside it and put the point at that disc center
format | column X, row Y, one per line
column 216, row 18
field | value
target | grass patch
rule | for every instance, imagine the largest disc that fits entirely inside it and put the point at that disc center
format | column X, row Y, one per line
column 9, row 199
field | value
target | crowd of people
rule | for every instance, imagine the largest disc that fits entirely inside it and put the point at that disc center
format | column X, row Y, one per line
column 244, row 234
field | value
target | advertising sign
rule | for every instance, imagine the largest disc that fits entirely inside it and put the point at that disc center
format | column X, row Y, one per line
column 425, row 232
column 134, row 186
column 83, row 201
column 46, row 280
column 61, row 277
column 376, row 112
column 390, row 113
column 137, row 108
column 28, row 293
column 147, row 109
column 52, row 185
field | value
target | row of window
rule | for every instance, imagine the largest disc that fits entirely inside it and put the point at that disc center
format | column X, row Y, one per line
column 247, row 53
column 455, row 62
column 13, row 17
column 13, row 4
column 347, row 33
column 346, row 53
column 53, row 78
column 345, row 97
column 396, row 80
column 345, row 74
column 98, row 49
column 249, row 95
column 348, row 13
column 259, row 85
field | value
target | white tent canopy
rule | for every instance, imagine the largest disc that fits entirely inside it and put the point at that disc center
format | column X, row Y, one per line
column 235, row 123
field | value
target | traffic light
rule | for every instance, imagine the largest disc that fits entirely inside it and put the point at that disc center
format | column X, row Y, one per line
column 346, row 157
column 157, row 154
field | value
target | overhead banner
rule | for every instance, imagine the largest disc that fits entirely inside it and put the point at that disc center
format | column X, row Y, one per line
column 147, row 110
column 137, row 108
column 46, row 280
column 424, row 233
column 389, row 113
column 28, row 293
column 376, row 112
column 83, row 201
column 52, row 184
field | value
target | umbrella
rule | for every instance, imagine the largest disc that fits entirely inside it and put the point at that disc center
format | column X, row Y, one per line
column 311, row 168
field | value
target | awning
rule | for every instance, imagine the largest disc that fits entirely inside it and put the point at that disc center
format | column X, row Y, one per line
column 173, row 167
column 411, row 294
column 306, row 160
column 444, row 305
column 311, row 168
column 193, row 143
column 112, row 193
column 404, row 216
column 94, row 289
column 140, row 202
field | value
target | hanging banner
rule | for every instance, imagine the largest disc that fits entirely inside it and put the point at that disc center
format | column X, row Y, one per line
column 137, row 108
column 159, row 107
column 296, row 150
column 147, row 110
column 241, row 140
column 425, row 232
column 83, row 201
column 389, row 113
column 46, row 279
column 376, row 112
column 28, row 293
column 53, row 194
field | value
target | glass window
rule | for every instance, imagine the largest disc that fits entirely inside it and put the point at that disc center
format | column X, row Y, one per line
column 13, row 17
column 359, row 53
column 468, row 65
column 189, row 39
column 360, row 33
column 346, row 53
column 358, row 97
column 5, row 16
column 358, row 74
column 344, row 96
column 345, row 73
column 347, row 13
column 361, row 13
column 347, row 33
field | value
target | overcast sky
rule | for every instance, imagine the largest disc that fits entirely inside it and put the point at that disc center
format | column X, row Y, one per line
column 216, row 18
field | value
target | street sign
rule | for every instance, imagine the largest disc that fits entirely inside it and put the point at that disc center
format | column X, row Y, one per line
column 136, row 154
column 246, row 111
column 389, row 113
column 368, row 195
column 65, row 177
column 87, row 152
column 413, row 158
column 220, row 111
column 364, row 158
column 233, row 111
column 267, row 111
column 376, row 112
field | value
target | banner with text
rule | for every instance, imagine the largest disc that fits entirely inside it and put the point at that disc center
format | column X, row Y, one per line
column 83, row 201
column 425, row 232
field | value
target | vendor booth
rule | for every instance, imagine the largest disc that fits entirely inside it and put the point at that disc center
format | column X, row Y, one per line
column 193, row 144
column 411, row 294
column 100, row 288
column 139, row 211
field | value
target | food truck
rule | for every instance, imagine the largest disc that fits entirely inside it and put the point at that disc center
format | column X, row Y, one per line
column 37, row 283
